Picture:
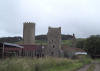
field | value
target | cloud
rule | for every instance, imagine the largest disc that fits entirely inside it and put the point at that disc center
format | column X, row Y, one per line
column 74, row 16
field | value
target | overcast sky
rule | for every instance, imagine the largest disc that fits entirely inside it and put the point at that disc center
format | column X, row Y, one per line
column 81, row 17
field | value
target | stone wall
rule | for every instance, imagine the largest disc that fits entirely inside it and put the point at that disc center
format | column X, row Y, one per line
column 54, row 42
column 29, row 33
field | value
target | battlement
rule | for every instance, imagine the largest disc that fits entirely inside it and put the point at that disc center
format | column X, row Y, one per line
column 29, row 22
column 29, row 33
column 54, row 27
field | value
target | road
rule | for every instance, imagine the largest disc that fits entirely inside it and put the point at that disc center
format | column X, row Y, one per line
column 86, row 67
column 97, row 66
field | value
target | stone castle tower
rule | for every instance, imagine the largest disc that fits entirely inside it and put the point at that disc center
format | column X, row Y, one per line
column 54, row 42
column 29, row 33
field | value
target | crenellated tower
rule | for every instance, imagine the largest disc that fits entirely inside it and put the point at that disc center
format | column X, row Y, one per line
column 54, row 41
column 29, row 33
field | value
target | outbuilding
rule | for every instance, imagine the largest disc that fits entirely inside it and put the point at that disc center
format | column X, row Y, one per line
column 9, row 49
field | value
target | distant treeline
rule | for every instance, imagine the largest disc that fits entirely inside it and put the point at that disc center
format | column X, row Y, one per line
column 44, row 37
column 38, row 37
column 90, row 45
column 10, row 39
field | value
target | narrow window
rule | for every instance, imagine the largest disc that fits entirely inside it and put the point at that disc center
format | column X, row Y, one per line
column 53, row 46
column 52, row 53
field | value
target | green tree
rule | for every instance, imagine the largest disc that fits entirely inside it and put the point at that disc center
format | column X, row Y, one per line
column 80, row 43
column 92, row 45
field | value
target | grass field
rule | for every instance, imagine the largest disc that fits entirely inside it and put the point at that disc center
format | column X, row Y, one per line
column 39, row 42
column 42, row 64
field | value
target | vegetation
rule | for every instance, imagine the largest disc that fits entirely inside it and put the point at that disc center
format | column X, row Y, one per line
column 80, row 43
column 91, row 68
column 38, row 37
column 41, row 37
column 41, row 42
column 67, row 42
column 64, row 42
column 44, row 37
column 10, row 39
column 91, row 45
column 42, row 64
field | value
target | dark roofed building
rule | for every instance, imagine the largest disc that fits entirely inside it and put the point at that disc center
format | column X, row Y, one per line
column 9, row 49
column 72, row 51
column 33, row 50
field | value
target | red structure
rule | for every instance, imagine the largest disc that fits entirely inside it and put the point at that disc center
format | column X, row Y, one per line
column 9, row 49
column 32, row 51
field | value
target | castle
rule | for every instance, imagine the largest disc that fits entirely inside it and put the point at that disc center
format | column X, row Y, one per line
column 29, row 48
column 53, row 47
column 54, row 41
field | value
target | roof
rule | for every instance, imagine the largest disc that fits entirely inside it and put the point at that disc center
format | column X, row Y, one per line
column 81, row 53
column 72, row 49
column 10, row 45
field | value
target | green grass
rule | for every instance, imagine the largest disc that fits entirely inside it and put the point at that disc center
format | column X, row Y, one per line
column 19, row 42
column 67, row 42
column 64, row 42
column 39, row 42
column 42, row 64
column 85, row 60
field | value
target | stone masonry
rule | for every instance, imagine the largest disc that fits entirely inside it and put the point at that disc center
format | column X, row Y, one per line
column 54, row 42
column 29, row 33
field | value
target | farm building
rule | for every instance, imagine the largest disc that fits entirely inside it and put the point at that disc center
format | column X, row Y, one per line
column 30, row 49
column 70, row 52
column 33, row 51
column 9, row 49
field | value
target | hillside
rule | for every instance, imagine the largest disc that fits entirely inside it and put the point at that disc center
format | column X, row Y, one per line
column 10, row 39
column 44, row 37
column 38, row 38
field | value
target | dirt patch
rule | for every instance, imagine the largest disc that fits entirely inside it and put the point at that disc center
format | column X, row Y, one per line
column 84, row 68
column 97, row 66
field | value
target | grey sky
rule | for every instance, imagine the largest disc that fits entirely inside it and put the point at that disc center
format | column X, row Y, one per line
column 74, row 16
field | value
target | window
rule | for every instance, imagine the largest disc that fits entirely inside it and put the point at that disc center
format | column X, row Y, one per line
column 52, row 40
column 52, row 53
column 53, row 46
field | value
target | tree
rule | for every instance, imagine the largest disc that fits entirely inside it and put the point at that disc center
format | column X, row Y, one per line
column 10, row 39
column 80, row 43
column 92, row 45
